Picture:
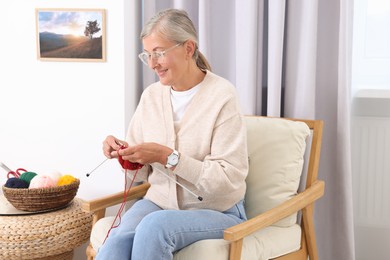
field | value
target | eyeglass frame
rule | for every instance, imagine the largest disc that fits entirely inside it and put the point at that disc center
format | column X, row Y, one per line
column 157, row 54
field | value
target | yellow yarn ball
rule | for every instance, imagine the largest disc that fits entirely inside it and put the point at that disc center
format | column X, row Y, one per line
column 65, row 180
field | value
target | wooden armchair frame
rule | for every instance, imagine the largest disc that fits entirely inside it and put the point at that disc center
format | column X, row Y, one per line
column 303, row 201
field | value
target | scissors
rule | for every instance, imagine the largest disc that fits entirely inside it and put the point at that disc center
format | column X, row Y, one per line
column 15, row 174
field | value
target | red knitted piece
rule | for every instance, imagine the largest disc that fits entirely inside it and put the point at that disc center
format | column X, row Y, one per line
column 127, row 165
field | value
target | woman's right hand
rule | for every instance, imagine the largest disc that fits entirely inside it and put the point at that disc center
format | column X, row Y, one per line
column 111, row 146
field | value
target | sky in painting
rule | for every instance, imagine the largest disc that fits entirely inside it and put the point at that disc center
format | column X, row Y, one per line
column 64, row 22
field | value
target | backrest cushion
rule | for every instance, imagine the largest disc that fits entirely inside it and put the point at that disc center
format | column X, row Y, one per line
column 276, row 149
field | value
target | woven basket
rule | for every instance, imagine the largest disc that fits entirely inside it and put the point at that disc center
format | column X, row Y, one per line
column 42, row 199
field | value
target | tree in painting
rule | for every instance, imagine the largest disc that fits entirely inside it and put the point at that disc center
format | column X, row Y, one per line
column 91, row 28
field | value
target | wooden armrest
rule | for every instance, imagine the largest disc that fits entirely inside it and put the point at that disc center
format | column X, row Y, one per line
column 114, row 199
column 271, row 216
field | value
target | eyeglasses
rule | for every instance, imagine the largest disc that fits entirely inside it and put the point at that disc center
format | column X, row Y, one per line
column 156, row 55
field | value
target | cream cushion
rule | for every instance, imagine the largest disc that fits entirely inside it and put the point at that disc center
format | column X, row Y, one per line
column 264, row 244
column 99, row 232
column 276, row 150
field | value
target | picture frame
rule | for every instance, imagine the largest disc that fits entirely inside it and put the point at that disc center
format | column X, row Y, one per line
column 71, row 34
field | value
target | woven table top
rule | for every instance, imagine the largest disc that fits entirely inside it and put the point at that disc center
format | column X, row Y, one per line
column 43, row 235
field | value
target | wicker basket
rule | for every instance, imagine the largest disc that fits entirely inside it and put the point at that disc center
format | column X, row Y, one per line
column 42, row 199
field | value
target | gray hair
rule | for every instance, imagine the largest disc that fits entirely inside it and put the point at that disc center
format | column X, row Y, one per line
column 175, row 25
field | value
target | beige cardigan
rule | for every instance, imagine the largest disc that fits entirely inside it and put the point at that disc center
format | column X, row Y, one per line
column 211, row 140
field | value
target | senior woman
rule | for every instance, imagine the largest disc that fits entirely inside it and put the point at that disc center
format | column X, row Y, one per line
column 188, row 127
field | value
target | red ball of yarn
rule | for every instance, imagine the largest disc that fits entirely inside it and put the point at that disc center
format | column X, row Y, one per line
column 127, row 165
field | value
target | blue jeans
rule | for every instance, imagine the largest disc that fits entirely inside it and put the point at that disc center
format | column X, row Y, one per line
column 149, row 233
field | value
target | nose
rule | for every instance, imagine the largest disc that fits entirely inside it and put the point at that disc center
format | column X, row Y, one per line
column 152, row 63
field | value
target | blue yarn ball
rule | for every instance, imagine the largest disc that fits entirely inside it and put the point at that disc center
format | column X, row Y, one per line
column 16, row 183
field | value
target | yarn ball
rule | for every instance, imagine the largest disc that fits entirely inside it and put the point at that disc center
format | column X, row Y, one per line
column 27, row 176
column 55, row 176
column 16, row 183
column 65, row 180
column 42, row 181
column 127, row 165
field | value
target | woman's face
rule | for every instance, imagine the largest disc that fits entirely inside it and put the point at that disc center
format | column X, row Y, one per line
column 171, row 68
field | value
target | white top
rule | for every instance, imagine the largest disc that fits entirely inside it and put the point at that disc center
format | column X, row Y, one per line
column 180, row 101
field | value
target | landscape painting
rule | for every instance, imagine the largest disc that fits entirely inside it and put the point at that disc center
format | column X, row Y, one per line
column 71, row 34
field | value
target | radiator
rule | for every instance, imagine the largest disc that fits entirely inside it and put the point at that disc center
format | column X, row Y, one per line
column 370, row 136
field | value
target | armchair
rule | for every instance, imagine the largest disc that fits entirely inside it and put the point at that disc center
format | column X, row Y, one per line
column 282, row 188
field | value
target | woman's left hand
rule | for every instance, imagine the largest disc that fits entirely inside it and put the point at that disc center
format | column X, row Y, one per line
column 146, row 153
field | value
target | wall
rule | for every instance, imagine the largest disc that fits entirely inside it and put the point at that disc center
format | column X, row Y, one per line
column 55, row 115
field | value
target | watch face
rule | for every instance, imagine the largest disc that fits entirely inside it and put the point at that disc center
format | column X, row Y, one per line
column 173, row 159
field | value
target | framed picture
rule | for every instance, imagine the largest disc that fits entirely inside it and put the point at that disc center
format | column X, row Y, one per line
column 71, row 34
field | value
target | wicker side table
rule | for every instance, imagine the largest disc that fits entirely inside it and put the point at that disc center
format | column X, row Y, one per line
column 52, row 235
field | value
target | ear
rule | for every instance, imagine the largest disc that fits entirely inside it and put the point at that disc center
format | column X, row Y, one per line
column 190, row 48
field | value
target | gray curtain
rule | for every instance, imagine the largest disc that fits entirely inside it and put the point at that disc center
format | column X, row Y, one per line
column 290, row 59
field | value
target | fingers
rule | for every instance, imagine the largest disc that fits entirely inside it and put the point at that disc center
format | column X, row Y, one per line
column 127, row 151
column 145, row 153
column 133, row 154
column 111, row 145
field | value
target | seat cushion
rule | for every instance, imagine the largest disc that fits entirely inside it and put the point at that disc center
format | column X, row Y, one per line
column 99, row 232
column 276, row 149
column 264, row 244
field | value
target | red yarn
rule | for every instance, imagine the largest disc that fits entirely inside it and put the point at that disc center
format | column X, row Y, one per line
column 127, row 165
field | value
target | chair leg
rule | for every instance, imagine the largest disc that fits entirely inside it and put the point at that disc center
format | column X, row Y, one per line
column 307, row 215
column 90, row 252
column 96, row 216
column 235, row 250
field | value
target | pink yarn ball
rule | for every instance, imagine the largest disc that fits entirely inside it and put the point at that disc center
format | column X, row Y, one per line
column 41, row 181
column 55, row 176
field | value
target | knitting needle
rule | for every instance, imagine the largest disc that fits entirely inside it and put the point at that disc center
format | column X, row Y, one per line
column 89, row 173
column 197, row 196
column 181, row 185
column 166, row 175
column 5, row 167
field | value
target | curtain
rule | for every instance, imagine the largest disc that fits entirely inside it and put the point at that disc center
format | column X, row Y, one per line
column 290, row 59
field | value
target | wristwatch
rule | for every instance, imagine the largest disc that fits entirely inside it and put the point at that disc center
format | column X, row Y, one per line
column 172, row 159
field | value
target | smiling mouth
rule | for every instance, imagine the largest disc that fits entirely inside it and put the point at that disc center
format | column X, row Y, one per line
column 161, row 73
